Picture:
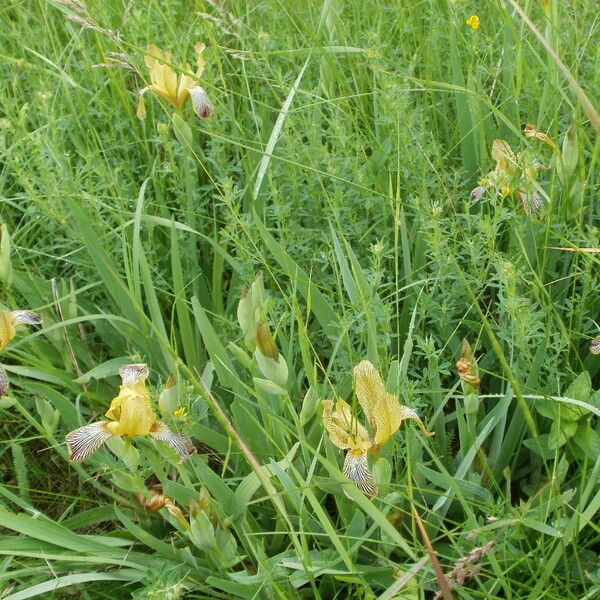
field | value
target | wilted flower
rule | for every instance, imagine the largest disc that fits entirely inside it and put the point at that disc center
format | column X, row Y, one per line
column 566, row 163
column 467, row 567
column 469, row 375
column 9, row 321
column 384, row 415
column 473, row 22
column 533, row 133
column 201, row 102
column 130, row 414
column 595, row 345
column 516, row 173
column 159, row 501
column 174, row 88
column 467, row 367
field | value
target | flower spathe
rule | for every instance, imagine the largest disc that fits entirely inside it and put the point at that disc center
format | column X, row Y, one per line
column 130, row 414
column 384, row 414
column 172, row 87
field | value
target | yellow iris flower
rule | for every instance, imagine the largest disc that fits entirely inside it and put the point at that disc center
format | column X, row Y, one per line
column 384, row 415
column 8, row 329
column 130, row 414
column 174, row 88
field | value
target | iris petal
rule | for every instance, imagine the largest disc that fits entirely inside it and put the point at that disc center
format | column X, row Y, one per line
column 356, row 469
column 130, row 414
column 83, row 442
column 180, row 443
column 26, row 317
column 134, row 373
column 3, row 381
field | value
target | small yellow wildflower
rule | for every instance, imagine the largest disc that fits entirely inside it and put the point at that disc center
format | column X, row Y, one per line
column 174, row 88
column 473, row 22
column 130, row 414
column 180, row 413
column 384, row 414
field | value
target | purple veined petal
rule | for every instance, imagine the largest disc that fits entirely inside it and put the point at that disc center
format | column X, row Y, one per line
column 538, row 200
column 595, row 345
column 3, row 381
column 26, row 317
column 134, row 373
column 83, row 442
column 532, row 203
column 356, row 469
column 478, row 193
column 182, row 444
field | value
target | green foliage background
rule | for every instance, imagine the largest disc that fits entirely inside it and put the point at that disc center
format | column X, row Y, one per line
column 345, row 142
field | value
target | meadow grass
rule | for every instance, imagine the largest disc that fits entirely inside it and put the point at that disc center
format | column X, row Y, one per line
column 334, row 181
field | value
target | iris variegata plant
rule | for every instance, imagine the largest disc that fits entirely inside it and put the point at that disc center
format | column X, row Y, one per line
column 384, row 415
column 175, row 88
column 130, row 414
column 516, row 173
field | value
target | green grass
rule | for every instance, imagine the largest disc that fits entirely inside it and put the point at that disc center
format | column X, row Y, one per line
column 345, row 141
